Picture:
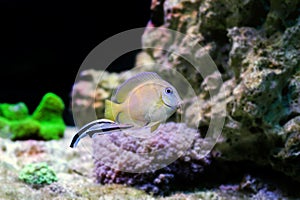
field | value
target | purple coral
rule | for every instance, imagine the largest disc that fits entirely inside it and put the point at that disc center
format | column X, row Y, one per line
column 155, row 164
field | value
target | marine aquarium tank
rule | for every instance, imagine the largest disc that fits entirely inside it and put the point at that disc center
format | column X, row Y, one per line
column 164, row 99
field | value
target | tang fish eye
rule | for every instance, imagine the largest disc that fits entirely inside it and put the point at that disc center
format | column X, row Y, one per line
column 168, row 90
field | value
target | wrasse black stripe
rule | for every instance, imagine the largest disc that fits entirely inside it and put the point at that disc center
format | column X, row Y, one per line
column 100, row 127
column 75, row 138
column 83, row 129
column 104, row 130
column 86, row 127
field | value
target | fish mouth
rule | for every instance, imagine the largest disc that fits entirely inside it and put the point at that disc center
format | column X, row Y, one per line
column 169, row 105
column 178, row 106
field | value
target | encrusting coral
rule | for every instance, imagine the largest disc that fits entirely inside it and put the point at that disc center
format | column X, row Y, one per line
column 255, row 45
column 121, row 157
column 37, row 174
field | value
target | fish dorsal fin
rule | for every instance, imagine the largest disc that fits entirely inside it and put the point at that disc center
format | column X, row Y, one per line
column 125, row 88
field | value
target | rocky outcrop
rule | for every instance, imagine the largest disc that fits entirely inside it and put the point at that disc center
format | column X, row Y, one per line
column 256, row 48
column 255, row 45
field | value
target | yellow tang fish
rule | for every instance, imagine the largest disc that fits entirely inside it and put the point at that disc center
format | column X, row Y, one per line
column 143, row 100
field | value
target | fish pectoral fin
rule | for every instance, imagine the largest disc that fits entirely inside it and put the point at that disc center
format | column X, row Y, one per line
column 122, row 118
column 154, row 127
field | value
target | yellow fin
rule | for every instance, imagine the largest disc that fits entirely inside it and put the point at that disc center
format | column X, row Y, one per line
column 121, row 118
column 154, row 127
column 111, row 110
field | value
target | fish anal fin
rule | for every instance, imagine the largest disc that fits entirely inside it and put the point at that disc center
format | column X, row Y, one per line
column 154, row 127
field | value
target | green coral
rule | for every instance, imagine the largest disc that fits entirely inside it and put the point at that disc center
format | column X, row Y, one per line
column 49, row 114
column 52, row 131
column 46, row 122
column 24, row 129
column 14, row 111
column 4, row 127
column 49, row 109
column 37, row 174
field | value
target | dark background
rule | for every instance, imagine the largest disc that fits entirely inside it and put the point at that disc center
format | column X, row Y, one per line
column 43, row 43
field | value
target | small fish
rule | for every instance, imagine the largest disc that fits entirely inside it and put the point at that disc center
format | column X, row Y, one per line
column 97, row 127
column 143, row 100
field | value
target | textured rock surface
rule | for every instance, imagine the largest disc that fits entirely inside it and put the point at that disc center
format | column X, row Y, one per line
column 75, row 177
column 73, row 168
column 255, row 45
column 194, row 169
column 263, row 100
column 90, row 92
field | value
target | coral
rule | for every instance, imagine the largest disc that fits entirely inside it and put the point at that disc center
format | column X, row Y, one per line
column 49, row 109
column 260, row 70
column 45, row 123
column 281, row 15
column 37, row 174
column 288, row 158
column 264, row 100
column 73, row 169
column 255, row 45
column 14, row 111
column 49, row 114
column 25, row 129
column 4, row 127
column 120, row 157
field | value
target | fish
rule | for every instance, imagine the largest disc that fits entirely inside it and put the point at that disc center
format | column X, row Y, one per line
column 97, row 127
column 144, row 100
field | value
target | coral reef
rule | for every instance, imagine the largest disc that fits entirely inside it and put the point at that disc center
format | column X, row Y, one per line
column 75, row 177
column 258, row 56
column 14, row 111
column 255, row 45
column 263, row 100
column 45, row 123
column 37, row 174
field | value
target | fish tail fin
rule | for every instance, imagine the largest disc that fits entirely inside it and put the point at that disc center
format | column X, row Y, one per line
column 111, row 110
column 76, row 139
